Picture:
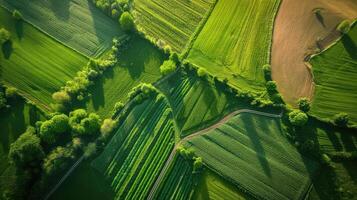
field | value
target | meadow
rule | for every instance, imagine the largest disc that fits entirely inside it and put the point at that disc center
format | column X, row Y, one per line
column 179, row 182
column 196, row 103
column 130, row 161
column 170, row 22
column 138, row 62
column 237, row 49
column 335, row 72
column 75, row 23
column 34, row 63
column 251, row 151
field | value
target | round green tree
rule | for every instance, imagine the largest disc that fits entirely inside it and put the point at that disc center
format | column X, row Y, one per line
column 304, row 104
column 298, row 118
column 341, row 119
column 126, row 21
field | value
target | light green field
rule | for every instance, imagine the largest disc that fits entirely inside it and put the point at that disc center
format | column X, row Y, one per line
column 75, row 23
column 139, row 62
column 212, row 186
column 252, row 152
column 235, row 42
column 13, row 122
column 179, row 182
column 335, row 72
column 134, row 157
column 35, row 64
column 173, row 22
column 196, row 103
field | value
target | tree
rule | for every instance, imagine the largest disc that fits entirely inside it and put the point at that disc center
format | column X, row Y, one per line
column 91, row 124
column 271, row 87
column 197, row 164
column 17, row 15
column 341, row 119
column 2, row 100
column 118, row 107
column 107, row 127
column 61, row 97
column 52, row 129
column 174, row 57
column 298, row 118
column 83, row 124
column 58, row 160
column 126, row 21
column 11, row 92
column 4, row 36
column 167, row 67
column 344, row 26
column 202, row 72
column 90, row 150
column 26, row 150
column 267, row 72
column 304, row 104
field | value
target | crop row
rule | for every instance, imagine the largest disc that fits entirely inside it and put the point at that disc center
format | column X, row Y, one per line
column 130, row 161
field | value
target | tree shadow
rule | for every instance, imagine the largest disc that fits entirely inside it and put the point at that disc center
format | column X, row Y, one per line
column 257, row 145
column 60, row 8
column 320, row 18
column 7, row 49
column 350, row 46
column 19, row 26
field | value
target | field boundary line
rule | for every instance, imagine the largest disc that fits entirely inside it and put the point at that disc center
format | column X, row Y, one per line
column 199, row 133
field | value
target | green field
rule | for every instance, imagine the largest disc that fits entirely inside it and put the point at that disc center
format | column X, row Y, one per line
column 213, row 186
column 134, row 157
column 235, row 42
column 171, row 22
column 196, row 103
column 179, row 182
column 13, row 122
column 75, row 23
column 335, row 72
column 34, row 63
column 252, row 152
column 138, row 62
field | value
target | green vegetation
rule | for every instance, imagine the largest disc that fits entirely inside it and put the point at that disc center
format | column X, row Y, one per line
column 180, row 181
column 126, row 21
column 304, row 104
column 75, row 23
column 4, row 36
column 344, row 26
column 252, row 152
column 31, row 62
column 298, row 118
column 170, row 23
column 335, row 72
column 237, row 49
column 130, row 161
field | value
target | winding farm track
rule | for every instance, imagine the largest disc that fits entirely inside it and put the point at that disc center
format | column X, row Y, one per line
column 199, row 133
column 296, row 31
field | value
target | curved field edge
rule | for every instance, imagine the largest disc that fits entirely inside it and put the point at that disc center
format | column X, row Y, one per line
column 334, row 71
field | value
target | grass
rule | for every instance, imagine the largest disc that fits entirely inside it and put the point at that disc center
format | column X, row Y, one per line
column 75, row 23
column 179, row 182
column 252, row 152
column 139, row 62
column 13, row 122
column 171, row 22
column 196, row 103
column 130, row 161
column 34, row 63
column 235, row 42
column 213, row 186
column 335, row 72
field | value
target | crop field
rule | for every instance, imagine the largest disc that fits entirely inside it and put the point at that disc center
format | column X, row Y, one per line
column 213, row 186
column 171, row 22
column 251, row 151
column 13, row 122
column 179, row 182
column 235, row 42
column 335, row 72
column 195, row 102
column 33, row 64
column 138, row 62
column 75, row 23
column 130, row 161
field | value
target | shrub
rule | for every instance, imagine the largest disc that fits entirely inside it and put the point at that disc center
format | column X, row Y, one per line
column 126, row 21
column 58, row 160
column 298, row 118
column 267, row 72
column 167, row 67
column 90, row 150
column 17, row 15
column 26, row 150
column 304, row 104
column 61, row 97
column 2, row 100
column 271, row 87
column 11, row 92
column 107, row 127
column 4, row 36
column 197, row 164
column 118, row 107
column 341, row 119
column 174, row 57
column 344, row 26
column 201, row 72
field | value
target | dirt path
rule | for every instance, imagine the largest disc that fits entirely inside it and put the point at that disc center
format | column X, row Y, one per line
column 296, row 31
column 199, row 133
